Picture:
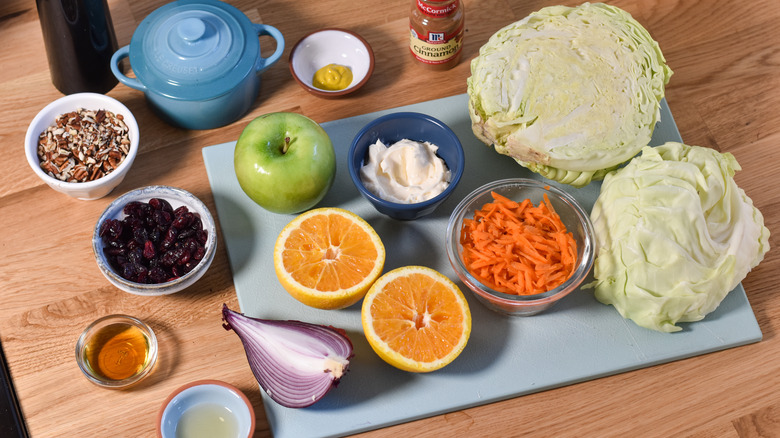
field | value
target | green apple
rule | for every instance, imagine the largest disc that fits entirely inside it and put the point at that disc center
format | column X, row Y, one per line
column 285, row 162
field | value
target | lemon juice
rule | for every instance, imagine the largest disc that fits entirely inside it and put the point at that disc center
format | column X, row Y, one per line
column 207, row 420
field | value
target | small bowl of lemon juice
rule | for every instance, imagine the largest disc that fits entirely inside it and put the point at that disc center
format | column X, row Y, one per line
column 206, row 408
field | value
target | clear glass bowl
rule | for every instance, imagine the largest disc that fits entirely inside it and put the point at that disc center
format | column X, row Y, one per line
column 116, row 351
column 574, row 218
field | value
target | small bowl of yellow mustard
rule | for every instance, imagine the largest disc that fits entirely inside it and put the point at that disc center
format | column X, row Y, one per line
column 331, row 62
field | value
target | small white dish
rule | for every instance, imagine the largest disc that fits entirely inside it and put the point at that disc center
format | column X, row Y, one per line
column 90, row 101
column 207, row 404
column 177, row 198
column 331, row 46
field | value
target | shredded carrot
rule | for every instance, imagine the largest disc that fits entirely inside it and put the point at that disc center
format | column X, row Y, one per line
column 518, row 248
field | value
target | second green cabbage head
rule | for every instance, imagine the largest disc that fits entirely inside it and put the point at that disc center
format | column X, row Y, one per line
column 675, row 234
column 569, row 93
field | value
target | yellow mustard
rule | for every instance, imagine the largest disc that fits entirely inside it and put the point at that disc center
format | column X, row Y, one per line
column 332, row 77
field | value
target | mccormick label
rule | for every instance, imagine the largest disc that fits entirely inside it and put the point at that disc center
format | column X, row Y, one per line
column 436, row 47
column 437, row 11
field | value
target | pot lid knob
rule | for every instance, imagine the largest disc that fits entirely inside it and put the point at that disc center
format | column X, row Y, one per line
column 191, row 39
column 192, row 29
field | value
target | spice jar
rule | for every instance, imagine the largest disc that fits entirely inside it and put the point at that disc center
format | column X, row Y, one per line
column 436, row 28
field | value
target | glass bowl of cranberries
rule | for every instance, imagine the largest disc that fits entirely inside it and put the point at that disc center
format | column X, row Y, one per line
column 155, row 240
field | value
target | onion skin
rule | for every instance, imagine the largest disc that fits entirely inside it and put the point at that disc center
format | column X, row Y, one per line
column 296, row 363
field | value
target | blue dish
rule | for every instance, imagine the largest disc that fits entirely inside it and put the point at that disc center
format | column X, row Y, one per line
column 413, row 126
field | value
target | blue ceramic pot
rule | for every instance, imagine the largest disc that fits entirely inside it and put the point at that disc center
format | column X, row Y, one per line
column 198, row 62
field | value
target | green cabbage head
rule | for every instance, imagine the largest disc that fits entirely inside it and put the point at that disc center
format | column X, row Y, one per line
column 674, row 235
column 569, row 93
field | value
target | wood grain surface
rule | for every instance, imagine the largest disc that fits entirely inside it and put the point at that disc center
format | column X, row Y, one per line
column 725, row 94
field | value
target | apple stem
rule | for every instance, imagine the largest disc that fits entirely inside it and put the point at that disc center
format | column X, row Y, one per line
column 286, row 145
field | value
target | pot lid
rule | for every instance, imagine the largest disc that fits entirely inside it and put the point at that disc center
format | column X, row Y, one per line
column 194, row 49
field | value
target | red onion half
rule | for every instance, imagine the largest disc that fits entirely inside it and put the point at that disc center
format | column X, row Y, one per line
column 296, row 363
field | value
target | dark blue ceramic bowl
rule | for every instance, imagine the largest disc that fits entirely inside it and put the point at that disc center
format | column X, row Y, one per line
column 413, row 126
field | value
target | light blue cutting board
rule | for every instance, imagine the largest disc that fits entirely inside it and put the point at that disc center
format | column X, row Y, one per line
column 579, row 339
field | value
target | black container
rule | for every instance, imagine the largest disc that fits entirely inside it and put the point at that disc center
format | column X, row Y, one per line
column 80, row 41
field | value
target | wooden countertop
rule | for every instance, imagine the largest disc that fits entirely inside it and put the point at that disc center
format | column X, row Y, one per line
column 725, row 94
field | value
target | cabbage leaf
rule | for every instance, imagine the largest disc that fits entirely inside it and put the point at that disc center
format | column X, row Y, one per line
column 569, row 93
column 674, row 235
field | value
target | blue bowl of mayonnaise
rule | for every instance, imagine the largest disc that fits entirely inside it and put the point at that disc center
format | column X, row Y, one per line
column 406, row 164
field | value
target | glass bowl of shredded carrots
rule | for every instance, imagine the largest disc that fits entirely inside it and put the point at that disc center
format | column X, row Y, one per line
column 520, row 245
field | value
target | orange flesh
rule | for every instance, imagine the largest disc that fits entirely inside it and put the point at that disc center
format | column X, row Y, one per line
column 418, row 317
column 329, row 253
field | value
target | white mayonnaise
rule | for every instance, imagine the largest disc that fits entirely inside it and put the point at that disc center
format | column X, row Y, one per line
column 406, row 172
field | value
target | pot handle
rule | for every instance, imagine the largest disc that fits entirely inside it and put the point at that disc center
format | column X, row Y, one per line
column 264, row 63
column 120, row 54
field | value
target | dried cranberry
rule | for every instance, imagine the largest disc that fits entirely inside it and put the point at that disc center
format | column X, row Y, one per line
column 185, row 257
column 141, row 274
column 156, row 235
column 172, row 256
column 132, row 209
column 191, row 245
column 186, row 234
column 140, row 235
column 154, row 243
column 129, row 272
column 149, row 250
column 113, row 252
column 162, row 218
column 199, row 253
column 202, row 236
column 182, row 220
column 133, row 245
column 104, row 227
column 132, row 222
column 160, row 204
column 117, row 244
column 157, row 275
column 114, row 230
column 170, row 237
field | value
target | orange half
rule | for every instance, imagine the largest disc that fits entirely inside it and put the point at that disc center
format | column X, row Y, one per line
column 416, row 319
column 328, row 258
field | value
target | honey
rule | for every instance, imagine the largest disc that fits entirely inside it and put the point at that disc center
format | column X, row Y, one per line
column 117, row 351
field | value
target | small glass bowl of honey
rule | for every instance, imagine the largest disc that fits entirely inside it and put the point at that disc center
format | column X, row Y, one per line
column 116, row 351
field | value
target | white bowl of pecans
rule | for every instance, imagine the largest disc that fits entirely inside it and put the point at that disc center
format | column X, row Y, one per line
column 82, row 144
